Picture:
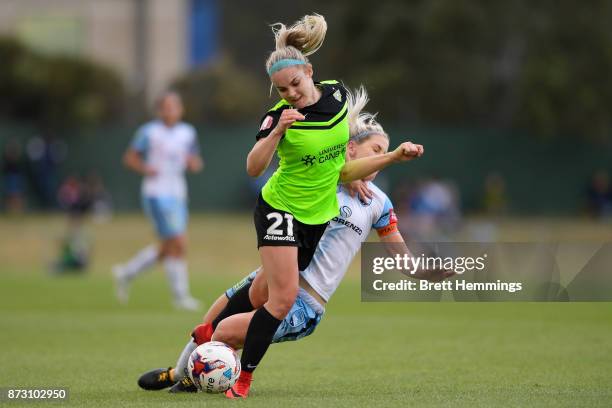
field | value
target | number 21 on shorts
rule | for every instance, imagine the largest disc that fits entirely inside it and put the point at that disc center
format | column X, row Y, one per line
column 278, row 221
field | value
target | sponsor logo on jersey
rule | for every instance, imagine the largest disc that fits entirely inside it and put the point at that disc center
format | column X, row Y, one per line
column 266, row 123
column 348, row 224
column 308, row 160
column 338, row 95
column 279, row 238
column 329, row 153
column 346, row 211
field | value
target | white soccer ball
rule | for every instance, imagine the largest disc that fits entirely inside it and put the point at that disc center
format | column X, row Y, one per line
column 213, row 367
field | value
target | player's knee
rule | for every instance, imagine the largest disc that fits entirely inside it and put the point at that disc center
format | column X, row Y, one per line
column 280, row 304
column 174, row 247
column 179, row 246
column 163, row 250
column 225, row 334
column 177, row 252
column 258, row 295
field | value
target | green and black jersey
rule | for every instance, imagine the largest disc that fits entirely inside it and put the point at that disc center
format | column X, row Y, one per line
column 311, row 156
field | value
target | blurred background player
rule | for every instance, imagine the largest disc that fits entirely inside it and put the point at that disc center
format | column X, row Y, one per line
column 599, row 195
column 75, row 198
column 161, row 152
column 13, row 177
column 78, row 197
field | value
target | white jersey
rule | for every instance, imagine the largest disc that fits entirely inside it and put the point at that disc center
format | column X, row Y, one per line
column 166, row 150
column 343, row 237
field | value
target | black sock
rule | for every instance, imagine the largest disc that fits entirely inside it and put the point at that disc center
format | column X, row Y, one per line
column 258, row 338
column 239, row 303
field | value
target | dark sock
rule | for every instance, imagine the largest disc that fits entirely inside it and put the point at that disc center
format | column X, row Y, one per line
column 239, row 303
column 258, row 338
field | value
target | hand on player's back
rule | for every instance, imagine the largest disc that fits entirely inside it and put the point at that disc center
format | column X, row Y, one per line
column 360, row 188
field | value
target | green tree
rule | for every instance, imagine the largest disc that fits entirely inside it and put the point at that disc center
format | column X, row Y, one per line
column 56, row 91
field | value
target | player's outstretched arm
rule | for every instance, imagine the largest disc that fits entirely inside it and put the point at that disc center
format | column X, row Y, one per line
column 361, row 168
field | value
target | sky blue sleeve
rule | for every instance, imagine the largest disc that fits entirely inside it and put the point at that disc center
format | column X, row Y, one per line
column 195, row 143
column 140, row 143
column 387, row 217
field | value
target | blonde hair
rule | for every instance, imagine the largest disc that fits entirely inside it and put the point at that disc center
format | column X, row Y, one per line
column 361, row 124
column 303, row 38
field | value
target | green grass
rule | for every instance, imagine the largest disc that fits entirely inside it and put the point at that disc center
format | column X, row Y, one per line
column 69, row 331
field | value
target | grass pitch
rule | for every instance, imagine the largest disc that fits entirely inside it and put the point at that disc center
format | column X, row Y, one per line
column 70, row 332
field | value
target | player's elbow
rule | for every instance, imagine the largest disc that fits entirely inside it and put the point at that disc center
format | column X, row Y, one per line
column 280, row 304
column 345, row 176
column 347, row 173
column 253, row 169
column 127, row 160
column 196, row 165
column 251, row 172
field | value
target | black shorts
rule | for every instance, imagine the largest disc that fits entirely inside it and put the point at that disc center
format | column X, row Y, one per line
column 279, row 228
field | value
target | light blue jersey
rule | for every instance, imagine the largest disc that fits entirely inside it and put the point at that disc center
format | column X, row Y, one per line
column 164, row 195
column 166, row 149
column 343, row 237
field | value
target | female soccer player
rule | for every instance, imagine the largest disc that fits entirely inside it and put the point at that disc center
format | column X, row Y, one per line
column 309, row 130
column 319, row 280
column 161, row 152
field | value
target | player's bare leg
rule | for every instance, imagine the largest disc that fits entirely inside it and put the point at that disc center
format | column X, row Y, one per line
column 140, row 263
column 232, row 331
column 281, row 269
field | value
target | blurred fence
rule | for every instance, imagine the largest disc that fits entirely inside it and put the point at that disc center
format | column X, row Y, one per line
column 541, row 176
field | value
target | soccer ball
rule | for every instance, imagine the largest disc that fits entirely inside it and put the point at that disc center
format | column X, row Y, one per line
column 213, row 367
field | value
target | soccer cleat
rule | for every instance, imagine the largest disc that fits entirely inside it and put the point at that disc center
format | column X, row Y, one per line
column 121, row 285
column 157, row 379
column 185, row 385
column 188, row 303
column 242, row 386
